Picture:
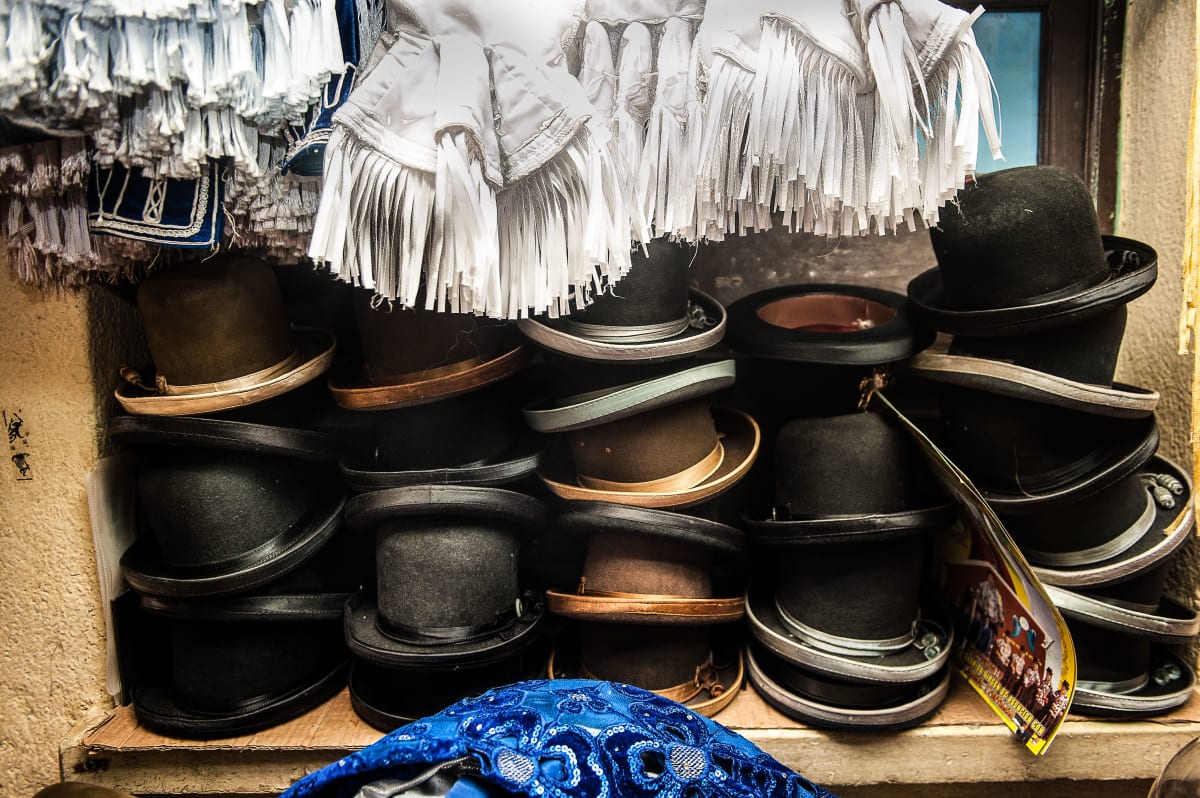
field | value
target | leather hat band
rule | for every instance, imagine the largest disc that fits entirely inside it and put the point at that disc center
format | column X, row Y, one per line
column 1104, row 551
column 845, row 646
column 1124, row 687
column 434, row 373
column 689, row 477
column 440, row 635
column 633, row 334
column 162, row 388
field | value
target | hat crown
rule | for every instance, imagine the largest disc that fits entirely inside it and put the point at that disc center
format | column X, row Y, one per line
column 649, row 446
column 447, row 570
column 632, row 563
column 468, row 428
column 655, row 291
column 1017, row 237
column 214, row 320
column 1085, row 351
column 210, row 506
column 652, row 657
column 848, row 465
column 401, row 343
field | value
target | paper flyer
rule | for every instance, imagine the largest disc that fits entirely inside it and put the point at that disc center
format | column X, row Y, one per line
column 1013, row 646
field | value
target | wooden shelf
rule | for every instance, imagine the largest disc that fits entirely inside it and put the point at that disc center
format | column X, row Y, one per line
column 962, row 744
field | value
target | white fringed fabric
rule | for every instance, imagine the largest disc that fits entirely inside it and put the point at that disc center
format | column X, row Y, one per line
column 469, row 165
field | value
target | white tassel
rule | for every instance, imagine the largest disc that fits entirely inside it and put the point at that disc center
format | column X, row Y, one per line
column 666, row 187
column 464, row 260
column 597, row 74
column 634, row 80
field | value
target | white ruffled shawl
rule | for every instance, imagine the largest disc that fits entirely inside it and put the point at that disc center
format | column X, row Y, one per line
column 470, row 159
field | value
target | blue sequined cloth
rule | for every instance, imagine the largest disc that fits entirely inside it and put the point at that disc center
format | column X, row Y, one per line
column 572, row 738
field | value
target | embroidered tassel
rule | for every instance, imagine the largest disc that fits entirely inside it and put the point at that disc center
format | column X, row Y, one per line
column 597, row 74
column 371, row 16
column 666, row 187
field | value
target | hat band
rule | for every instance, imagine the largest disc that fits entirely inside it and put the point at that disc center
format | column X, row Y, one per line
column 425, row 375
column 705, row 678
column 632, row 334
column 245, row 382
column 845, row 646
column 265, row 551
column 1104, row 551
column 689, row 477
column 441, row 635
column 1124, row 687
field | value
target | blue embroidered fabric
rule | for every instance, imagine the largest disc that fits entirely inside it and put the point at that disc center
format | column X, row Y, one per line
column 306, row 142
column 572, row 738
column 171, row 213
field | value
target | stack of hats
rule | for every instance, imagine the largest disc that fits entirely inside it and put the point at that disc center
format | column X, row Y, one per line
column 439, row 460
column 842, row 637
column 646, row 464
column 240, row 564
column 1035, row 300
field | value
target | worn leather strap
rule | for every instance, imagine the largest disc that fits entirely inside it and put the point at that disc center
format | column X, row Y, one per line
column 162, row 388
column 687, row 478
column 720, row 696
column 430, row 374
column 606, row 602
column 633, row 334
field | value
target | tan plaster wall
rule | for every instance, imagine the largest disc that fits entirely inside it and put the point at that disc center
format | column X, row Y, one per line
column 51, row 631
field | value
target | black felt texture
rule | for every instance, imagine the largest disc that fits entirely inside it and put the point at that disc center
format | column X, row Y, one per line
column 655, row 290
column 848, row 465
column 1143, row 592
column 1085, row 351
column 1083, row 524
column 206, row 506
column 217, row 666
column 831, row 691
column 868, row 591
column 570, row 376
column 1017, row 236
column 445, row 571
column 1018, row 445
column 651, row 657
column 647, row 446
column 1108, row 656
column 462, row 429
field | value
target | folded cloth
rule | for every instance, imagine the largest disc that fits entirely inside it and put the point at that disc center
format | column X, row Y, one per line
column 568, row 738
column 469, row 159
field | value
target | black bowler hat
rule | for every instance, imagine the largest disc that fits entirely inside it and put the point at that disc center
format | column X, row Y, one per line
column 1124, row 667
column 649, row 315
column 1020, row 250
column 1111, row 535
column 245, row 663
column 225, row 506
column 1070, row 367
column 826, row 702
column 1022, row 453
column 447, row 576
column 388, row 698
column 475, row 438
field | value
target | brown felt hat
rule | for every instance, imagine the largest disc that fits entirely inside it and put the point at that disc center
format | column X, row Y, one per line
column 413, row 356
column 672, row 456
column 647, row 567
column 687, row 664
column 220, row 338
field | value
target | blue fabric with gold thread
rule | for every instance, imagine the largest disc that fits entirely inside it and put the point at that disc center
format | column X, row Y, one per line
column 571, row 738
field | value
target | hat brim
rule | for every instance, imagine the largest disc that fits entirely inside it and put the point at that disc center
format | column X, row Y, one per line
column 550, row 335
column 419, row 392
column 646, row 610
column 891, row 341
column 146, row 571
column 157, row 709
column 1151, row 699
column 601, row 407
column 1170, row 623
column 1018, row 382
column 928, row 296
column 922, row 700
column 731, row 675
column 316, row 349
column 850, row 529
column 1170, row 530
column 591, row 517
column 367, row 642
column 741, row 439
column 368, row 509
column 215, row 433
column 1121, row 454
column 274, row 607
column 520, row 461
column 909, row 664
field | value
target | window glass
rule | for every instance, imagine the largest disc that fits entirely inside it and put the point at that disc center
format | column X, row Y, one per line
column 1011, row 41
